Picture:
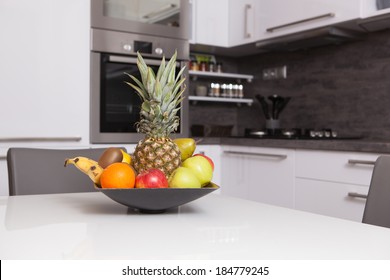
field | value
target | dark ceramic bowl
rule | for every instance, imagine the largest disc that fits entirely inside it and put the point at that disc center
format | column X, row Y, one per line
column 156, row 200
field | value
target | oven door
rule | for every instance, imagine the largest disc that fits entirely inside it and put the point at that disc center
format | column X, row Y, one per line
column 165, row 18
column 115, row 106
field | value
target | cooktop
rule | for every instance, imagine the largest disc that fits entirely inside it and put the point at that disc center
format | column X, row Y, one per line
column 299, row 134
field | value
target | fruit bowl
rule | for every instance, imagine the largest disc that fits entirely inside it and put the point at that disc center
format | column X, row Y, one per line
column 156, row 200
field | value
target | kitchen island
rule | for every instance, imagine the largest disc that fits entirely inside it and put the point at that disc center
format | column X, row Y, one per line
column 91, row 226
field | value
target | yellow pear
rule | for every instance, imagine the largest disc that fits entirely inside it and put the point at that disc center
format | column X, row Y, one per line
column 186, row 146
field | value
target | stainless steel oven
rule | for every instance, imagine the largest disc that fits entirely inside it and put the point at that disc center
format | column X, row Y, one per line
column 115, row 106
column 168, row 18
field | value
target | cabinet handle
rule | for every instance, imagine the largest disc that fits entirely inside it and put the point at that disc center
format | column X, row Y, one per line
column 41, row 139
column 248, row 7
column 278, row 156
column 357, row 195
column 3, row 157
column 328, row 15
column 161, row 11
column 359, row 161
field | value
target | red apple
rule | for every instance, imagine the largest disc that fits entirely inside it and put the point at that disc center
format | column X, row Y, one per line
column 209, row 159
column 151, row 179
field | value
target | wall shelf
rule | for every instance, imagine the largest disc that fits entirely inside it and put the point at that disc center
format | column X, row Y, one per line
column 238, row 101
column 196, row 74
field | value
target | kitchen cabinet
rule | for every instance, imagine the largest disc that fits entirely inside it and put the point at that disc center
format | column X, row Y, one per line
column 44, row 88
column 44, row 72
column 223, row 23
column 261, row 174
column 278, row 17
column 372, row 8
column 333, row 183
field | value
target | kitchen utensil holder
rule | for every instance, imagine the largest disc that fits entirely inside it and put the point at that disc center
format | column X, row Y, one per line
column 272, row 123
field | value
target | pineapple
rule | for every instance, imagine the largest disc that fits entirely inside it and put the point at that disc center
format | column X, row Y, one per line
column 161, row 96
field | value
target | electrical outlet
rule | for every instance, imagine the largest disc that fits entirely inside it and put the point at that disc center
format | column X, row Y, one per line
column 275, row 73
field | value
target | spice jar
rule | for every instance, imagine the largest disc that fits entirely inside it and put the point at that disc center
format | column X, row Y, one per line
column 240, row 93
column 215, row 90
column 223, row 90
column 211, row 66
column 219, row 67
column 194, row 65
column 203, row 66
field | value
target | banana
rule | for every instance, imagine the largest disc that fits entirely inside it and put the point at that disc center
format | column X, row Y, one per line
column 88, row 166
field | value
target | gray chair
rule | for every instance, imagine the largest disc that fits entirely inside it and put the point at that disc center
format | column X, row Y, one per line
column 42, row 171
column 377, row 209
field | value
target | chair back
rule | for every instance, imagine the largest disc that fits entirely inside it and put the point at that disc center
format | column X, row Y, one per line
column 377, row 209
column 42, row 171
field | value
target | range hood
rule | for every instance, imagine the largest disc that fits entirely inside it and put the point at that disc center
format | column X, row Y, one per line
column 309, row 39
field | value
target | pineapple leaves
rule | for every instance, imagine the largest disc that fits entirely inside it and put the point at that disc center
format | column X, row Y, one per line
column 161, row 69
column 140, row 89
column 150, row 81
column 142, row 67
column 171, row 66
column 161, row 93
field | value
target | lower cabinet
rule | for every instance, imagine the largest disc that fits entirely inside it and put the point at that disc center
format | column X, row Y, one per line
column 262, row 174
column 333, row 183
column 330, row 198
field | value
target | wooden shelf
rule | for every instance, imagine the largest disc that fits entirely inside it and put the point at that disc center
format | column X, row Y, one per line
column 236, row 76
column 238, row 101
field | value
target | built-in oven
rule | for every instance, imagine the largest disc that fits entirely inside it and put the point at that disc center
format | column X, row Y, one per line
column 168, row 18
column 115, row 106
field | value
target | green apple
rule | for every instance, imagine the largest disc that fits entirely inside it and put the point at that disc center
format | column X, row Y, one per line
column 186, row 146
column 201, row 168
column 183, row 177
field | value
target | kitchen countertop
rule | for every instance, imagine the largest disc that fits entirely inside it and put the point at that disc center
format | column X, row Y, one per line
column 356, row 145
column 91, row 226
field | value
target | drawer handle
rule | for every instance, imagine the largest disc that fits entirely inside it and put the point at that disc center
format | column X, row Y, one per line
column 3, row 157
column 41, row 139
column 328, row 15
column 357, row 195
column 279, row 156
column 359, row 161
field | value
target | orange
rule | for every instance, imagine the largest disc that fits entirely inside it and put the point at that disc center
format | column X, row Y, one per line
column 118, row 175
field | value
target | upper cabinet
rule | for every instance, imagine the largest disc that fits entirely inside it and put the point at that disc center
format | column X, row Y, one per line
column 231, row 23
column 372, row 8
column 224, row 23
column 278, row 17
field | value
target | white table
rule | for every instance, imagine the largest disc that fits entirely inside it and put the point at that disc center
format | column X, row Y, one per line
column 92, row 226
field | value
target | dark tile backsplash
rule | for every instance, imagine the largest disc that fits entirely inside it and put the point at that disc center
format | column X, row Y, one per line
column 344, row 87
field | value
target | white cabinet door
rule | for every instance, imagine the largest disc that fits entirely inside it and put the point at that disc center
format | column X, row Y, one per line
column 210, row 20
column 370, row 8
column 327, row 182
column 213, row 152
column 224, row 23
column 280, row 17
column 261, row 174
column 242, row 22
column 330, row 198
column 44, row 69
column 336, row 166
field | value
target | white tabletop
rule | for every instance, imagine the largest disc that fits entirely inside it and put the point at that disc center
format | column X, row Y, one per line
column 92, row 226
